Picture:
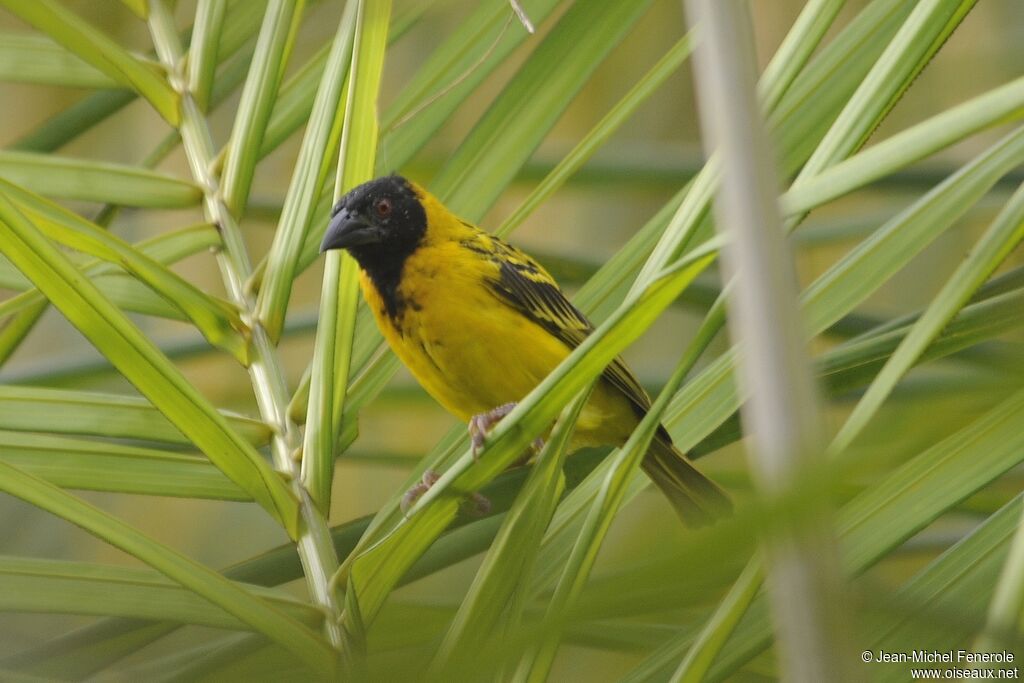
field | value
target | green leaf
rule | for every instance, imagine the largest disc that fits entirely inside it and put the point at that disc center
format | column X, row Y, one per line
column 1005, row 103
column 14, row 330
column 452, row 72
column 30, row 409
column 862, row 270
column 807, row 110
column 906, row 501
column 599, row 134
column 258, row 96
column 961, row 578
column 202, row 52
column 713, row 637
column 913, row 46
column 307, row 181
column 217, row 320
column 96, row 181
column 711, row 397
column 82, row 464
column 140, row 362
column 332, row 351
column 69, row 123
column 531, row 103
column 74, row 654
column 94, row 47
column 259, row 614
column 37, row 59
column 536, row 662
column 496, row 588
column 1002, row 237
column 62, row 587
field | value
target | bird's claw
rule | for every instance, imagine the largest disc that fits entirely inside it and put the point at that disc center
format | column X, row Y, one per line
column 428, row 479
column 479, row 505
column 480, row 425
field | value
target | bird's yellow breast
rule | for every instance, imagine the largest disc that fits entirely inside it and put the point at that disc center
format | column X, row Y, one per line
column 471, row 351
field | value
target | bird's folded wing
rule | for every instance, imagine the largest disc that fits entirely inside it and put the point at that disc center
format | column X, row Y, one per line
column 522, row 283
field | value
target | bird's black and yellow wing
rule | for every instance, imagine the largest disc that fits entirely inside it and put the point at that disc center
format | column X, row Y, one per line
column 521, row 282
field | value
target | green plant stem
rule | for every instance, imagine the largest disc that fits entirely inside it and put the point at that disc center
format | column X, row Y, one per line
column 316, row 551
column 782, row 412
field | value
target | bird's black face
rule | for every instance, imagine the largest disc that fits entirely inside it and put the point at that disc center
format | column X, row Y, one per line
column 380, row 223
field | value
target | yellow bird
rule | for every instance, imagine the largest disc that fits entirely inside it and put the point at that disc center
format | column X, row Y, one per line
column 480, row 324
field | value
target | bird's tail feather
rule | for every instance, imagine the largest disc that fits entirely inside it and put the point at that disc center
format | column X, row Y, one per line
column 697, row 500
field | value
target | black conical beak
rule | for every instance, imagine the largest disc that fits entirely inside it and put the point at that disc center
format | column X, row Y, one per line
column 348, row 230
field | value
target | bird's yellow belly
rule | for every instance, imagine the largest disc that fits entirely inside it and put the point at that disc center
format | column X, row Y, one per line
column 473, row 354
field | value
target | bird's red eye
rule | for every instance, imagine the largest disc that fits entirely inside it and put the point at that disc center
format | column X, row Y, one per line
column 383, row 207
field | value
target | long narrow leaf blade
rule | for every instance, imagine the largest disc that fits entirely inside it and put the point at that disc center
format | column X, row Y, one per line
column 257, row 100
column 260, row 615
column 142, row 363
column 97, row 181
column 332, row 351
column 85, row 40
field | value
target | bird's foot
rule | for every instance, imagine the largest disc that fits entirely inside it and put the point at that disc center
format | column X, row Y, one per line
column 428, row 479
column 480, row 424
column 479, row 505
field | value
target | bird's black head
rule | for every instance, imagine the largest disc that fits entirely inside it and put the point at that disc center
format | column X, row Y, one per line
column 380, row 223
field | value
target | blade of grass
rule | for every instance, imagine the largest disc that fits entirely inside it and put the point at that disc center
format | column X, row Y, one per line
column 139, row 7
column 97, row 181
column 82, row 464
column 14, row 330
column 202, row 53
column 707, row 400
column 920, row 36
column 81, row 652
column 258, row 96
column 719, row 627
column 30, row 409
column 452, row 72
column 307, row 181
column 999, row 105
column 217, row 320
column 37, row 59
column 509, row 558
column 964, row 575
column 69, row 123
column 599, row 134
column 796, row 49
column 535, row 98
column 879, row 520
column 332, row 350
column 63, row 587
column 783, row 410
column 97, row 49
column 257, row 613
column 536, row 662
column 909, row 499
column 1007, row 601
column 1002, row 237
column 140, row 362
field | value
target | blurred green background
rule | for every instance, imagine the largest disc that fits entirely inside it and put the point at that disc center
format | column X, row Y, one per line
column 631, row 178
